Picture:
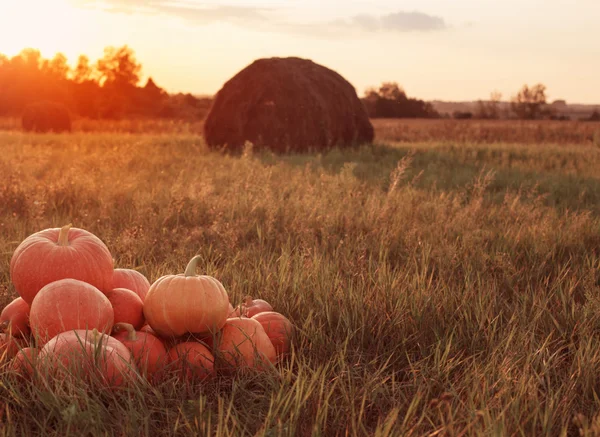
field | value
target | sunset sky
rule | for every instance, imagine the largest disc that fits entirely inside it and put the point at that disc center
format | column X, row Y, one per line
column 436, row 49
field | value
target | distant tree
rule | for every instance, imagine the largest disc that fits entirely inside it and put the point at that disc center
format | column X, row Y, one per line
column 391, row 91
column 489, row 109
column 57, row 67
column 594, row 116
column 462, row 115
column 152, row 91
column 391, row 101
column 529, row 103
column 83, row 71
column 28, row 59
column 119, row 68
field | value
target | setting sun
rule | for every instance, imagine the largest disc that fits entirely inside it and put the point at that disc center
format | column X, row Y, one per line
column 49, row 26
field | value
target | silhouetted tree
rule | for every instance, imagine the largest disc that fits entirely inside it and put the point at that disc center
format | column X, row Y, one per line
column 528, row 104
column 105, row 89
column 391, row 101
column 391, row 91
column 57, row 67
column 83, row 70
column 489, row 109
column 119, row 68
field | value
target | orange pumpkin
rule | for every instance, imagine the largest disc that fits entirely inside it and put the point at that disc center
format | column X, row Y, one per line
column 89, row 352
column 251, row 307
column 192, row 361
column 66, row 305
column 148, row 329
column 127, row 307
column 243, row 343
column 148, row 351
column 131, row 280
column 187, row 303
column 54, row 254
column 14, row 318
column 278, row 328
column 233, row 312
column 24, row 362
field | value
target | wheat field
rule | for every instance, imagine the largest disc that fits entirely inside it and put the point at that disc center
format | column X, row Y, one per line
column 439, row 286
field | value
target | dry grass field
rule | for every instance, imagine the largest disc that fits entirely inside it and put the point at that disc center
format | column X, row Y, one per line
column 444, row 282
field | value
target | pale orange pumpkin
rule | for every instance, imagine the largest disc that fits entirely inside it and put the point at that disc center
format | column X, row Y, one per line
column 127, row 307
column 192, row 361
column 243, row 343
column 66, row 305
column 14, row 318
column 148, row 351
column 187, row 303
column 233, row 312
column 131, row 280
column 85, row 353
column 60, row 253
column 24, row 362
column 278, row 328
column 251, row 307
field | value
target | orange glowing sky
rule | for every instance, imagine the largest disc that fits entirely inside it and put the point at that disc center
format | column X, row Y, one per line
column 436, row 49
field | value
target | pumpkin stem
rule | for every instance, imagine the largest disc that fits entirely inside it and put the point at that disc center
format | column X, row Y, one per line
column 63, row 235
column 190, row 270
column 122, row 326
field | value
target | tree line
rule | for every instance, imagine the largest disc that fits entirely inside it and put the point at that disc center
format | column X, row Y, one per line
column 108, row 88
column 529, row 103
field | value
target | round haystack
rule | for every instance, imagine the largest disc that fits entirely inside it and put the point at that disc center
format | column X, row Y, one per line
column 287, row 105
column 46, row 117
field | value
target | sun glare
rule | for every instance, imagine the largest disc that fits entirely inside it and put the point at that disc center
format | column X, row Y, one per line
column 49, row 26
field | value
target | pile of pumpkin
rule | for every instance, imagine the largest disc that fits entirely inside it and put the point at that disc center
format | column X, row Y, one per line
column 76, row 313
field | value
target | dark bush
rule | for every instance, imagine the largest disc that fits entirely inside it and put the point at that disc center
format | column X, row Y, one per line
column 46, row 117
column 287, row 104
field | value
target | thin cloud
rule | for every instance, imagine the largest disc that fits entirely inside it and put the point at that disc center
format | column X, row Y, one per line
column 398, row 22
column 269, row 18
column 187, row 10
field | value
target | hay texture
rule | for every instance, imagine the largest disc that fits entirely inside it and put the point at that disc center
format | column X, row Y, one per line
column 46, row 117
column 287, row 105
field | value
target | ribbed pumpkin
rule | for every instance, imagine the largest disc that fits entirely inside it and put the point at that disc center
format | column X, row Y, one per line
column 91, row 353
column 148, row 351
column 127, row 307
column 192, row 361
column 243, row 343
column 251, row 307
column 131, row 280
column 24, row 362
column 278, row 328
column 60, row 253
column 66, row 305
column 187, row 303
column 14, row 318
